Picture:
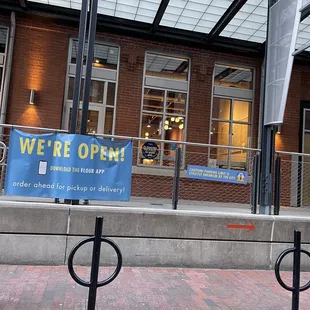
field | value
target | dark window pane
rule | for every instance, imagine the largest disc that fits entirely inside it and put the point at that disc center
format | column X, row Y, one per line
column 108, row 123
column 92, row 121
column 167, row 67
column 231, row 76
column 3, row 39
column 221, row 108
column 96, row 90
column 111, row 94
column 153, row 100
column 307, row 119
column 176, row 103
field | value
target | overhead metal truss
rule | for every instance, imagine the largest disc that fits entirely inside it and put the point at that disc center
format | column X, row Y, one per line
column 156, row 30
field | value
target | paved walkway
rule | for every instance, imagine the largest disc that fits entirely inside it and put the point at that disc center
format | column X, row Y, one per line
column 40, row 288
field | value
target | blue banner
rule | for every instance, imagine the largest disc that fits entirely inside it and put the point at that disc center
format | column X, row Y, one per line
column 217, row 174
column 68, row 166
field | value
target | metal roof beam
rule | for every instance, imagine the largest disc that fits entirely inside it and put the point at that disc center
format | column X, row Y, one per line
column 159, row 15
column 230, row 13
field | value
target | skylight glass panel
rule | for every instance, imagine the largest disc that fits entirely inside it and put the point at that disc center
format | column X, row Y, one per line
column 194, row 15
column 249, row 23
column 139, row 10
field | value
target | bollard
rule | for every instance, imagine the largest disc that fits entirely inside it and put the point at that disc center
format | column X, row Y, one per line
column 295, row 289
column 93, row 284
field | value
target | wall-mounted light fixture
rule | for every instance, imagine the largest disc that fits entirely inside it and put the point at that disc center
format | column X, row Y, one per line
column 279, row 130
column 32, row 95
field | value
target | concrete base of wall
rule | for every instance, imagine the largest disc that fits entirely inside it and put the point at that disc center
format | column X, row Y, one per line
column 44, row 234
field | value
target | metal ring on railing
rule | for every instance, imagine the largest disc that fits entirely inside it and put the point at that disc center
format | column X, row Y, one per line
column 100, row 283
column 277, row 270
column 4, row 147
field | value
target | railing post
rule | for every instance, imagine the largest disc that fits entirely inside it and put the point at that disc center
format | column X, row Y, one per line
column 277, row 196
column 296, row 270
column 176, row 179
column 255, row 183
column 95, row 265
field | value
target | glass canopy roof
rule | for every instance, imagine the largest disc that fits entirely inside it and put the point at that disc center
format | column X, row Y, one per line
column 249, row 24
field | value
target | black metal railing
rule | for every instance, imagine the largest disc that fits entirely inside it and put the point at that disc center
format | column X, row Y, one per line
column 295, row 288
column 93, row 284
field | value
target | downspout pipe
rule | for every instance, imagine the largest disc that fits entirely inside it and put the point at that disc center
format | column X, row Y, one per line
column 7, row 76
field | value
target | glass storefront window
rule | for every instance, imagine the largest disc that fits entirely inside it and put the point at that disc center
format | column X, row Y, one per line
column 233, row 76
column 163, row 118
column 230, row 126
column 164, row 109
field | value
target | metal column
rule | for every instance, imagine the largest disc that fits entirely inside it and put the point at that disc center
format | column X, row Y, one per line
column 89, row 64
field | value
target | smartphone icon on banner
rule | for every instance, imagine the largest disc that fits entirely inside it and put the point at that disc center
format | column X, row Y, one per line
column 42, row 167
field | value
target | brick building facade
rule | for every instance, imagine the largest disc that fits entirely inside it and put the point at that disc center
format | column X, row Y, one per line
column 40, row 62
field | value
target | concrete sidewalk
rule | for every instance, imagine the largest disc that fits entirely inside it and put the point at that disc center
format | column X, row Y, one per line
column 166, row 204
column 42, row 288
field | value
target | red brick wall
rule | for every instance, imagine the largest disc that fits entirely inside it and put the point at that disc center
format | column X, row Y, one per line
column 39, row 62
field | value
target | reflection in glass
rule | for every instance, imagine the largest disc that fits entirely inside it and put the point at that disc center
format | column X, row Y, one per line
column 108, row 123
column 220, row 136
column 221, row 108
column 96, row 90
column 92, row 121
column 232, row 76
column 240, row 138
column 167, row 67
column 105, row 56
column 151, row 128
column 242, row 111
column 153, row 100
column 111, row 94
column 175, row 103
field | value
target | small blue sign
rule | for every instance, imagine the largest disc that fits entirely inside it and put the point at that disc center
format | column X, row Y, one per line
column 68, row 166
column 217, row 174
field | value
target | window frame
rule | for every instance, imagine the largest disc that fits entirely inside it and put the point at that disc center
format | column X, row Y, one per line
column 233, row 98
column 67, row 103
column 4, row 60
column 164, row 114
